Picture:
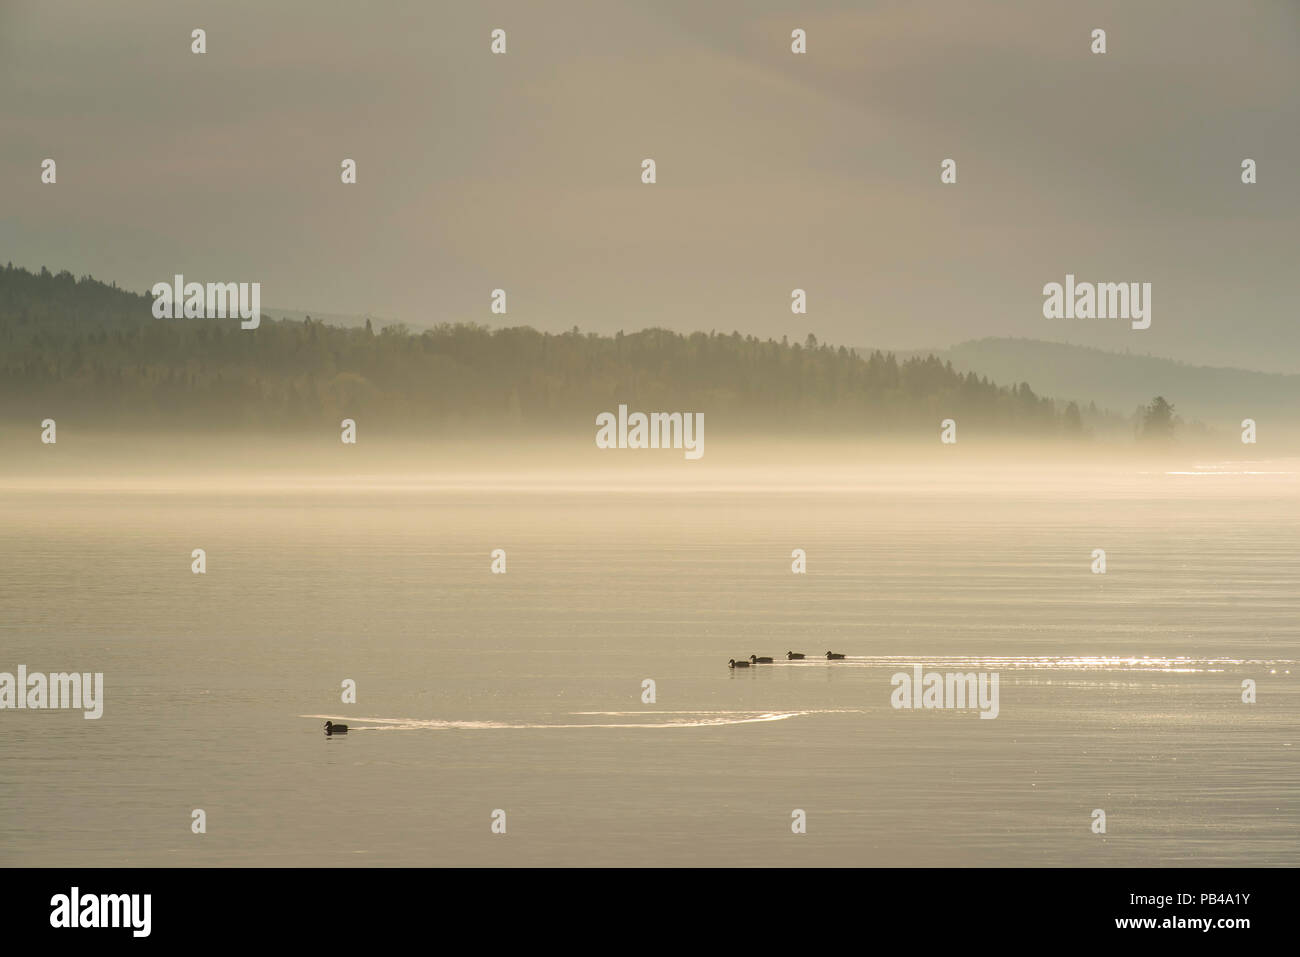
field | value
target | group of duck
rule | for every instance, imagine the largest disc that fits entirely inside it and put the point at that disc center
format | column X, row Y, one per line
column 791, row 655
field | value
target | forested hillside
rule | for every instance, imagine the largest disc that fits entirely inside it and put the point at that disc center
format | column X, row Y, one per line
column 80, row 347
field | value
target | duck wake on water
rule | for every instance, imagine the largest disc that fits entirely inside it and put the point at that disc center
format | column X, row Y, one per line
column 669, row 719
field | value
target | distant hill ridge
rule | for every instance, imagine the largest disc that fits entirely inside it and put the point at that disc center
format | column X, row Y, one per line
column 1219, row 396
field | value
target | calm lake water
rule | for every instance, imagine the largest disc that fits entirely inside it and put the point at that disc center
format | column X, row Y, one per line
column 522, row 691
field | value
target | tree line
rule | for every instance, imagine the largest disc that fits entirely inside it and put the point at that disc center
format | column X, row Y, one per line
column 85, row 348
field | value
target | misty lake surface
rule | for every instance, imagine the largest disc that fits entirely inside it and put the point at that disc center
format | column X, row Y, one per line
column 522, row 692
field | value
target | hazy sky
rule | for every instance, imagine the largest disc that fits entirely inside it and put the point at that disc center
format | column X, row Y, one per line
column 775, row 171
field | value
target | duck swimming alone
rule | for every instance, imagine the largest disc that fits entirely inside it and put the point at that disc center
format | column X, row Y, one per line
column 760, row 661
column 733, row 663
column 793, row 655
column 832, row 656
column 332, row 728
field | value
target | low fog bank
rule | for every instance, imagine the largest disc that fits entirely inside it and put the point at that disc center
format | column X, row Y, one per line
column 98, row 460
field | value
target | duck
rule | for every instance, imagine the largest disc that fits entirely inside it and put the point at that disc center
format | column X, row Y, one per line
column 332, row 728
column 760, row 661
column 793, row 655
column 832, row 656
column 733, row 663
